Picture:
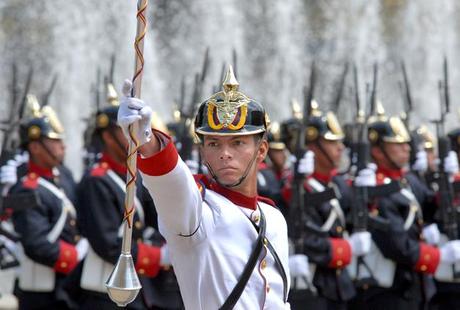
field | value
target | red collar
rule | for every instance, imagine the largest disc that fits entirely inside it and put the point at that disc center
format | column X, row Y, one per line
column 235, row 197
column 394, row 174
column 40, row 171
column 324, row 178
column 117, row 167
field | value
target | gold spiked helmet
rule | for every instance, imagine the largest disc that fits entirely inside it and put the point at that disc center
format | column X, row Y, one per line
column 230, row 112
column 324, row 125
column 39, row 122
column 386, row 129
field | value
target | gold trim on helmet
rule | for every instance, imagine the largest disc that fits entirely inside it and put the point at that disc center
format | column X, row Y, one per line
column 427, row 136
column 112, row 96
column 400, row 131
column 102, row 121
column 34, row 132
column 311, row 133
column 335, row 131
column 296, row 109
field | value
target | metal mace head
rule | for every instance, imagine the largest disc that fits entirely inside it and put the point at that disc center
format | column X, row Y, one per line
column 123, row 284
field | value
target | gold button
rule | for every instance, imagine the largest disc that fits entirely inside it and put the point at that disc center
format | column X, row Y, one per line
column 339, row 229
column 104, row 165
column 339, row 250
column 33, row 175
column 255, row 218
column 138, row 224
column 141, row 271
column 67, row 253
column 145, row 260
column 375, row 212
column 64, row 265
column 265, row 241
column 339, row 263
column 73, row 222
column 427, row 257
column 263, row 265
column 423, row 268
column 76, row 238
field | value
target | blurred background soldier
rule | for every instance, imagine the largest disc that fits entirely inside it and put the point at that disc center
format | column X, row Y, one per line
column 101, row 194
column 273, row 172
column 49, row 234
column 405, row 253
column 327, row 200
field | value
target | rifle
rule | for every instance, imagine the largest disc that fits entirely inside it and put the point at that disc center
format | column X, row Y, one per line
column 235, row 62
column 447, row 208
column 46, row 96
column 338, row 97
column 373, row 97
column 298, row 216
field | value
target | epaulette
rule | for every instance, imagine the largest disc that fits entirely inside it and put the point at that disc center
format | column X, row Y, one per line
column 202, row 182
column 99, row 169
column 30, row 181
column 266, row 200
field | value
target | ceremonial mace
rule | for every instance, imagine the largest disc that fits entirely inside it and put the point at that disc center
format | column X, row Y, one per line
column 123, row 284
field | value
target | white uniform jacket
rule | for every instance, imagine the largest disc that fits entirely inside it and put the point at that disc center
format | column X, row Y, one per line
column 210, row 238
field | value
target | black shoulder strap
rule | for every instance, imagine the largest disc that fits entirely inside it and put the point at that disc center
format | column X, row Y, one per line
column 235, row 295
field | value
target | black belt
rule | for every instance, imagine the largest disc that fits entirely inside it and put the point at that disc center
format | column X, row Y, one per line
column 235, row 295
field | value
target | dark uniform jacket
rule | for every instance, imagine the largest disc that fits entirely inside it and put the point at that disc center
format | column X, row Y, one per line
column 101, row 205
column 33, row 223
column 414, row 259
column 329, row 251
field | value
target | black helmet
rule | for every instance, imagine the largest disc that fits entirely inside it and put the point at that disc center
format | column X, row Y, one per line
column 230, row 112
column 454, row 136
column 384, row 129
column 274, row 137
column 39, row 123
column 321, row 125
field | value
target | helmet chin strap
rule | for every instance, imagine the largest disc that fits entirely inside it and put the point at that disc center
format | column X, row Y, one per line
column 242, row 178
column 321, row 149
column 48, row 151
column 395, row 166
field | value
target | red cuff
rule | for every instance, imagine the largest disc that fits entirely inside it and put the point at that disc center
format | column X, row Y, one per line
column 68, row 258
column 428, row 260
column 341, row 253
column 162, row 162
column 148, row 260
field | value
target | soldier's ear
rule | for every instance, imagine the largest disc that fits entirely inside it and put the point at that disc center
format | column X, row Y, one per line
column 263, row 150
column 377, row 153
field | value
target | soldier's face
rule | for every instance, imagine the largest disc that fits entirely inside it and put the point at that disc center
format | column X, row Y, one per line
column 333, row 149
column 398, row 153
column 278, row 158
column 49, row 153
column 230, row 156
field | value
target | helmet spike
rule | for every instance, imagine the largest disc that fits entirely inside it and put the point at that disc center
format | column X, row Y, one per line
column 112, row 96
column 230, row 83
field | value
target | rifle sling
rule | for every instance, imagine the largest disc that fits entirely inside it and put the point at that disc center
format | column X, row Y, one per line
column 235, row 295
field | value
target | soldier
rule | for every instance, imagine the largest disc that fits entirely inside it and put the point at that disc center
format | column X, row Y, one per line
column 448, row 288
column 404, row 254
column 218, row 230
column 271, row 175
column 331, row 251
column 50, row 238
column 101, row 195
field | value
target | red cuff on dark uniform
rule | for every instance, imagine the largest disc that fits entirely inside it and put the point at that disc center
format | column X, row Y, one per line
column 162, row 162
column 341, row 253
column 148, row 260
column 428, row 260
column 68, row 258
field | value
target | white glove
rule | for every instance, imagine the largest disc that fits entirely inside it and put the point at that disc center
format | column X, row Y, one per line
column 306, row 163
column 360, row 243
column 431, row 234
column 366, row 177
column 298, row 266
column 164, row 256
column 450, row 252
column 451, row 163
column 82, row 248
column 8, row 175
column 421, row 162
column 133, row 110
